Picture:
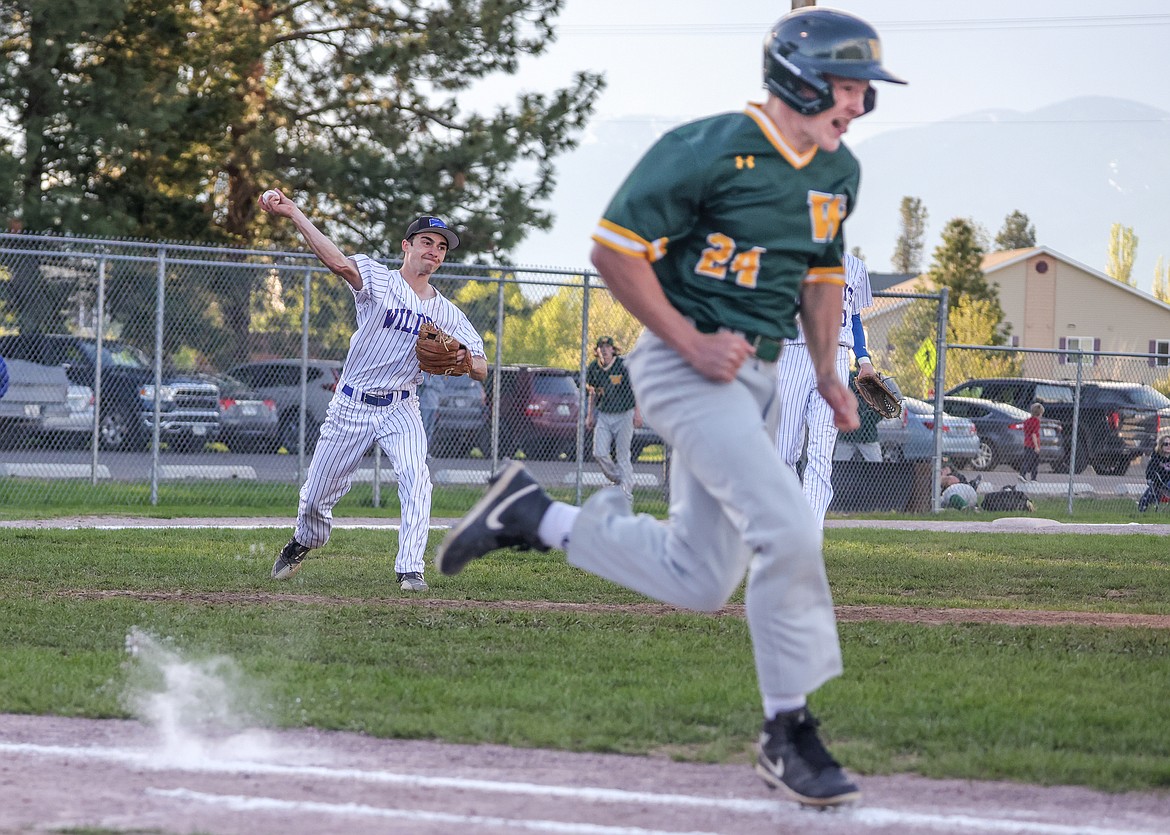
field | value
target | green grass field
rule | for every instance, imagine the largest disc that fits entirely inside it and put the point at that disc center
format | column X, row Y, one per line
column 41, row 499
column 482, row 658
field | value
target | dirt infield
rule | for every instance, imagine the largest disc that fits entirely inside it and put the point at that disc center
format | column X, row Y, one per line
column 58, row 773
column 845, row 614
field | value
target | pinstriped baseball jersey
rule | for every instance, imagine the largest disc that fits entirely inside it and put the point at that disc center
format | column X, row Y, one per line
column 381, row 351
column 733, row 220
column 858, row 295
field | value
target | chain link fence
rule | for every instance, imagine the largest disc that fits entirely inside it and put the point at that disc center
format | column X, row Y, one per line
column 216, row 366
column 1102, row 415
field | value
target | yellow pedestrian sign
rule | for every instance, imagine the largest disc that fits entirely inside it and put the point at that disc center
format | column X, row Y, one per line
column 926, row 357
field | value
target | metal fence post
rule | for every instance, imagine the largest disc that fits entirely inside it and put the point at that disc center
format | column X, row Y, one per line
column 159, row 308
column 499, row 361
column 940, row 377
column 99, row 333
column 582, row 393
column 1076, row 430
column 377, row 501
column 304, row 408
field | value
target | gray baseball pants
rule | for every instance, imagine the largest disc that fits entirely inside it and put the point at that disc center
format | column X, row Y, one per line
column 735, row 509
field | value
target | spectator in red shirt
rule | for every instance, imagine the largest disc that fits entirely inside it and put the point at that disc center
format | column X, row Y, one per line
column 1031, row 460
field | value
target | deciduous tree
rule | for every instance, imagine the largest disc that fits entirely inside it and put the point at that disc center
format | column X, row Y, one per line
column 1122, row 250
column 1161, row 281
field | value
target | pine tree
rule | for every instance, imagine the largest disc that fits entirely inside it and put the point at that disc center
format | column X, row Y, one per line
column 166, row 119
column 143, row 106
column 908, row 252
column 957, row 262
column 1017, row 233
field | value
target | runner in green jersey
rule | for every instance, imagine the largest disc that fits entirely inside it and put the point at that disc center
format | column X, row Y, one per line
column 722, row 231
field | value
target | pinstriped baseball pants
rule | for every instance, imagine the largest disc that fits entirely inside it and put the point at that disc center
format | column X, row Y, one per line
column 349, row 430
column 804, row 413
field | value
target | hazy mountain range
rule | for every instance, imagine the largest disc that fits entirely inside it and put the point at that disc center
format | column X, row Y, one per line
column 1074, row 168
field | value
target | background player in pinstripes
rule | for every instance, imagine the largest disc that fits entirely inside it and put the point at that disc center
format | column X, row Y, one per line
column 376, row 397
column 803, row 412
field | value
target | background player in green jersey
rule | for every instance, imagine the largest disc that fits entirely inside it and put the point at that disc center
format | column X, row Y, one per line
column 612, row 415
column 723, row 228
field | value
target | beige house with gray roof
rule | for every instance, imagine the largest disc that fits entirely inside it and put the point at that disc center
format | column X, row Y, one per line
column 1052, row 302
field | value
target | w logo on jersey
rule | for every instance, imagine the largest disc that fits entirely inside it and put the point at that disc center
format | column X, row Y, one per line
column 826, row 212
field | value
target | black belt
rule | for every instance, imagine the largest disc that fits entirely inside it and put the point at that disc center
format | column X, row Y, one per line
column 767, row 348
column 375, row 399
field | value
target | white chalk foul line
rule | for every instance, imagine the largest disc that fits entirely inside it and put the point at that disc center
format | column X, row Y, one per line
column 153, row 761
column 1022, row 823
column 240, row 803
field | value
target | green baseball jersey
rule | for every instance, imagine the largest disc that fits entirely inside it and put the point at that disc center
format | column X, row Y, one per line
column 614, row 392
column 733, row 220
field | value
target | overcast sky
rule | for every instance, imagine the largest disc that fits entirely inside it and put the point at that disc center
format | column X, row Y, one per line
column 668, row 61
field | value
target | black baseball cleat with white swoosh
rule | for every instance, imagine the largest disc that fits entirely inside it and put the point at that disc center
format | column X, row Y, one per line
column 791, row 757
column 507, row 516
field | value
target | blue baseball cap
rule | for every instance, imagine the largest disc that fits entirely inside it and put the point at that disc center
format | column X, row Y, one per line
column 427, row 223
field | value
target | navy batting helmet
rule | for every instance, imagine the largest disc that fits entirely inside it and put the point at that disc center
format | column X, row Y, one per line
column 808, row 44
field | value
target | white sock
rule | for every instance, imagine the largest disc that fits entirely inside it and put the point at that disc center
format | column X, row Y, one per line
column 782, row 704
column 556, row 524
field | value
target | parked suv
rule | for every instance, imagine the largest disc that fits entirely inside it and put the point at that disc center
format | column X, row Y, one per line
column 1001, row 432
column 189, row 407
column 279, row 380
column 1118, row 422
column 460, row 417
column 34, row 393
column 538, row 411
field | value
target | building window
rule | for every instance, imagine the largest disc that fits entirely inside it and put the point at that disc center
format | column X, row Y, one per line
column 1160, row 348
column 1088, row 344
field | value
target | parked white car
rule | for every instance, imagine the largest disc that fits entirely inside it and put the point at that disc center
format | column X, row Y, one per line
column 911, row 436
column 72, row 425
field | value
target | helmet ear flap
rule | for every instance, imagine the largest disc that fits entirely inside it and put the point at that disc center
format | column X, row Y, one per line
column 807, row 95
column 870, row 99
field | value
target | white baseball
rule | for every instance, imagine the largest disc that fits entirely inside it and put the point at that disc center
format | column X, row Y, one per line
column 269, row 196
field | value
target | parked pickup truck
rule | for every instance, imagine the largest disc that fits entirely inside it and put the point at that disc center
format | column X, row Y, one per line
column 1116, row 422
column 189, row 407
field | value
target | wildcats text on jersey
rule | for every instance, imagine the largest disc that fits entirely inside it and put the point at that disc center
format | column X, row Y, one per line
column 404, row 319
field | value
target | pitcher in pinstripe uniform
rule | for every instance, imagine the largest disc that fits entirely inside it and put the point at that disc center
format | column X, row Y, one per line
column 376, row 397
column 803, row 412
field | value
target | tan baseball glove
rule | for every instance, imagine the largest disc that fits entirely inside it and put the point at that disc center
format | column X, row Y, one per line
column 881, row 393
column 438, row 352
